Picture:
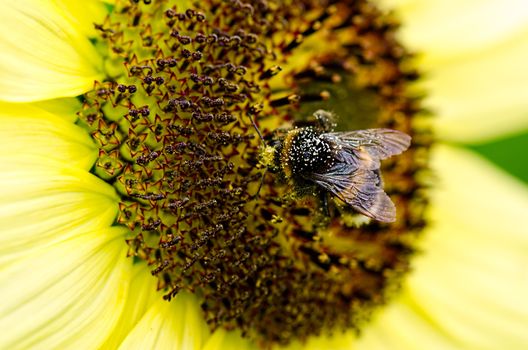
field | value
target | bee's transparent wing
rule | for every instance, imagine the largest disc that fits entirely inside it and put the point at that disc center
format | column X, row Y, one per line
column 365, row 148
column 359, row 188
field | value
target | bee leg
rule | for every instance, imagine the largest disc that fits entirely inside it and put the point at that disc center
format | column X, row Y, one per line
column 260, row 184
column 325, row 209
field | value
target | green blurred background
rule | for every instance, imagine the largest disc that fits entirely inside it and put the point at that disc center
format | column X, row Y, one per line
column 510, row 153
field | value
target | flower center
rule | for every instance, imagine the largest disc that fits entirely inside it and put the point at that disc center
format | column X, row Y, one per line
column 173, row 122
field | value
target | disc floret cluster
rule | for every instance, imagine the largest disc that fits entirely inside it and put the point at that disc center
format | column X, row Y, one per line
column 172, row 122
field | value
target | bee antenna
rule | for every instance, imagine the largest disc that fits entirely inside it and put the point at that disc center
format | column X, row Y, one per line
column 258, row 131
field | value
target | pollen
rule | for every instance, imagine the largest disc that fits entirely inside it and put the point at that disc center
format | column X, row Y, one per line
column 173, row 122
column 267, row 156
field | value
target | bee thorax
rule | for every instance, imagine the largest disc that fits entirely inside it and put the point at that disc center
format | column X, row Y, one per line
column 309, row 153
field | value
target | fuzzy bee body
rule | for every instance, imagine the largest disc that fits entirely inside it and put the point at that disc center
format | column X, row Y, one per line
column 345, row 164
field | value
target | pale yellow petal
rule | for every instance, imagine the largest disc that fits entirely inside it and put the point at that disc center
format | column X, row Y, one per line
column 43, row 204
column 177, row 325
column 47, row 192
column 470, row 284
column 42, row 54
column 28, row 130
column 489, row 203
column 401, row 326
column 483, row 97
column 444, row 30
column 473, row 54
column 478, row 248
column 65, row 108
column 141, row 296
column 83, row 14
column 67, row 296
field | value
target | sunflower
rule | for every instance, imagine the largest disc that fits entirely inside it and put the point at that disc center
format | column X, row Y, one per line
column 124, row 228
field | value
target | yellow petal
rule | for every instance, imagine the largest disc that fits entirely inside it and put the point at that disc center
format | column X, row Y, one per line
column 473, row 54
column 83, row 14
column 29, row 130
column 67, row 295
column 177, row 325
column 401, row 326
column 141, row 296
column 478, row 249
column 482, row 97
column 448, row 29
column 479, row 196
column 43, row 204
column 42, row 54
column 47, row 192
column 65, row 108
column 470, row 285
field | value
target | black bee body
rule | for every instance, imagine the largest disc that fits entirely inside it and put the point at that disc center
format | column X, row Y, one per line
column 305, row 152
column 345, row 164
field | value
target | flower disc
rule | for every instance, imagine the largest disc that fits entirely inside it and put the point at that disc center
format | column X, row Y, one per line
column 173, row 123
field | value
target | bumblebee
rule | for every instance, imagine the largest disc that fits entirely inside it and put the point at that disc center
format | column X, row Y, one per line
column 346, row 164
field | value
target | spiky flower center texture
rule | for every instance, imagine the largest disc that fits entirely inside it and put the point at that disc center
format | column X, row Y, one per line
column 172, row 123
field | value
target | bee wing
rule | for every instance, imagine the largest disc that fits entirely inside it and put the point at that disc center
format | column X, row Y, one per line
column 365, row 148
column 359, row 188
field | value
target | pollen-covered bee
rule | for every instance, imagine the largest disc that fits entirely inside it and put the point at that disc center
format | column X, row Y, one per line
column 345, row 164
